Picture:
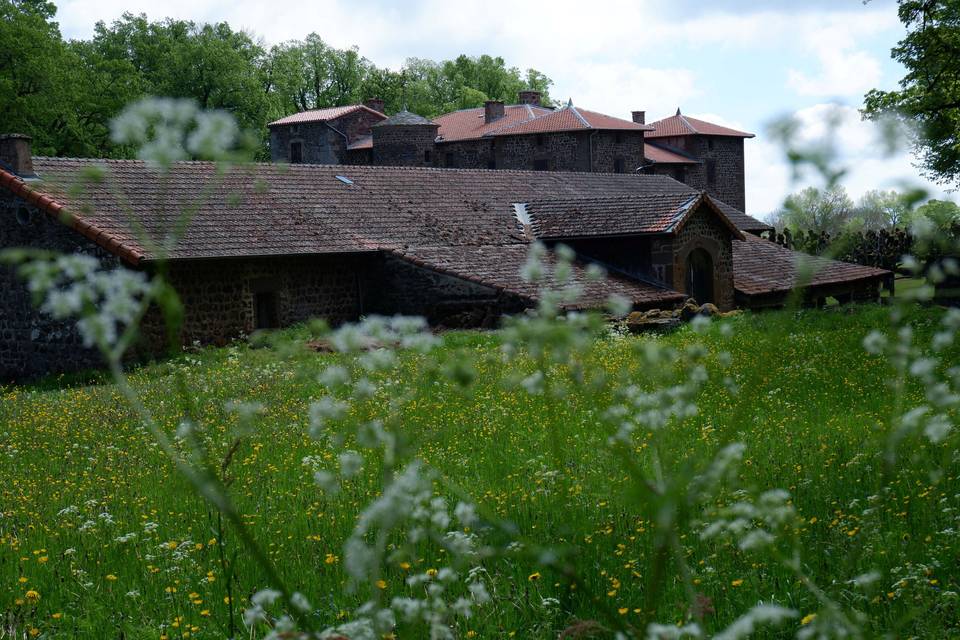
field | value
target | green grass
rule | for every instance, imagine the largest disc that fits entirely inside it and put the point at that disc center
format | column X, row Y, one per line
column 812, row 408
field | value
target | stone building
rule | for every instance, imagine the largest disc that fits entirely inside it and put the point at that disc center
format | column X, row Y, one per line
column 270, row 245
column 525, row 136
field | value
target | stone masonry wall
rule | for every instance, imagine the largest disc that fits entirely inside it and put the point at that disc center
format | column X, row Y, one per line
column 404, row 145
column 704, row 231
column 32, row 343
column 320, row 144
column 611, row 146
column 568, row 151
column 395, row 286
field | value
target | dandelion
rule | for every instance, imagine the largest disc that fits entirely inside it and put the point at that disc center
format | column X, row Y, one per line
column 534, row 576
column 32, row 596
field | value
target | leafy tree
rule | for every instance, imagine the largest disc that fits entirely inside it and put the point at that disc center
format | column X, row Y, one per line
column 929, row 94
column 943, row 214
column 820, row 210
column 882, row 210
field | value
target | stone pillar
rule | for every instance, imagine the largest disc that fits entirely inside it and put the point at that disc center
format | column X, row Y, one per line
column 16, row 154
column 492, row 110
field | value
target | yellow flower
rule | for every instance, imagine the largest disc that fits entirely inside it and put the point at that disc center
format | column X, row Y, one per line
column 623, row 611
column 381, row 584
column 404, row 565
column 111, row 577
column 34, row 632
column 42, row 559
column 534, row 576
column 471, row 633
column 56, row 616
column 32, row 596
column 205, row 613
column 330, row 559
column 22, row 580
column 736, row 583
column 807, row 619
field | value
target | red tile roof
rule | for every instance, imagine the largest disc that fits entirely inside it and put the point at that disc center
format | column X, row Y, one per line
column 523, row 119
column 660, row 155
column 619, row 216
column 764, row 267
column 681, row 125
column 468, row 124
column 324, row 115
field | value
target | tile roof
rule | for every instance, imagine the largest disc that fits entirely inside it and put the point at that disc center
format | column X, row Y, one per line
column 617, row 216
column 681, row 125
column 762, row 267
column 449, row 218
column 660, row 155
column 323, row 115
column 498, row 266
column 469, row 124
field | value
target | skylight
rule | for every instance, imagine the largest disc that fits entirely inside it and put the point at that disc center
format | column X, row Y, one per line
column 344, row 179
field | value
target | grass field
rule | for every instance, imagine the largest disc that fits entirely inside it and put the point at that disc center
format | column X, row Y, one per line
column 100, row 537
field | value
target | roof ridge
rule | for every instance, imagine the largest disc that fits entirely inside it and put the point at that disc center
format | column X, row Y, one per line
column 580, row 117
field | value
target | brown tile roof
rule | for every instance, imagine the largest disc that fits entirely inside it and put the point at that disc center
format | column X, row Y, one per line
column 323, row 115
column 681, row 125
column 763, row 267
column 468, row 124
column 498, row 266
column 523, row 119
column 618, row 216
column 660, row 155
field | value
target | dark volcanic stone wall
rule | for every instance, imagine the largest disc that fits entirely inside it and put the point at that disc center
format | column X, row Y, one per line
column 703, row 230
column 560, row 151
column 320, row 144
column 404, row 145
column 32, row 343
column 720, row 171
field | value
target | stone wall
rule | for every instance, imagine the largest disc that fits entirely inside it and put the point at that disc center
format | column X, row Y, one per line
column 617, row 152
column 32, row 343
column 567, row 151
column 720, row 171
column 320, row 143
column 703, row 230
column 404, row 145
column 395, row 286
column 467, row 154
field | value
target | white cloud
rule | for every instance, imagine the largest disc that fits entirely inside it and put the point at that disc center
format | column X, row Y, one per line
column 860, row 148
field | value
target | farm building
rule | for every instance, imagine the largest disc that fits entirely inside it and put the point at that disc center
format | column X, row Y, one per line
column 273, row 244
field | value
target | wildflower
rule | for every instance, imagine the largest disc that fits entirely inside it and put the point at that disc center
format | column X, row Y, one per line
column 32, row 596
column 330, row 559
column 736, row 583
column 111, row 578
column 807, row 619
column 534, row 576
column 381, row 584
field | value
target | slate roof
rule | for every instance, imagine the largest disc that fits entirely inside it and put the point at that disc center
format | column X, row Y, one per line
column 764, row 267
column 469, row 124
column 660, row 155
column 618, row 216
column 403, row 118
column 323, row 115
column 681, row 125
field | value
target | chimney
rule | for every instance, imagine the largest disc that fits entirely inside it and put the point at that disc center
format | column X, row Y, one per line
column 492, row 110
column 15, row 154
column 530, row 96
column 640, row 117
column 374, row 103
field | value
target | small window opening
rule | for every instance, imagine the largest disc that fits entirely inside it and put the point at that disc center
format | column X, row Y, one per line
column 541, row 140
column 618, row 137
column 427, row 156
column 492, row 163
column 711, row 173
column 541, row 164
column 710, row 144
column 296, row 152
column 618, row 165
column 24, row 217
column 265, row 310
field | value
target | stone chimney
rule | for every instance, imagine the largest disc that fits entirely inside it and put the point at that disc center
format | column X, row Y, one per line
column 492, row 110
column 374, row 103
column 15, row 154
column 640, row 117
column 529, row 96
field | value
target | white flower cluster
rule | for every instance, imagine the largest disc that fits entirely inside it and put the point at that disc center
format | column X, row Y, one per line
column 77, row 286
column 753, row 524
column 166, row 130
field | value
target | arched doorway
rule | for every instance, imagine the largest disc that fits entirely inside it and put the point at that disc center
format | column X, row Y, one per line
column 700, row 276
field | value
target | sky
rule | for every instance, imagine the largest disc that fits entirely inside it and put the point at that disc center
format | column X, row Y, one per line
column 740, row 63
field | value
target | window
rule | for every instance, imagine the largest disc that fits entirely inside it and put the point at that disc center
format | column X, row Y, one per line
column 296, row 152
column 541, row 140
column 711, row 173
column 450, row 160
column 265, row 310
column 618, row 138
column 492, row 163
column 24, row 217
column 618, row 165
column 541, row 165
column 710, row 144
column 427, row 157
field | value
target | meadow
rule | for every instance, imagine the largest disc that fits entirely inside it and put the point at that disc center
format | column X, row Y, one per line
column 100, row 537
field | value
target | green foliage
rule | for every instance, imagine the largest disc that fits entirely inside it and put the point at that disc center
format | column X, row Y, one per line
column 929, row 94
column 64, row 94
column 827, row 210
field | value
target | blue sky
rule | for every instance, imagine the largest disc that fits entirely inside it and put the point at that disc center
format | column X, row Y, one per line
column 737, row 62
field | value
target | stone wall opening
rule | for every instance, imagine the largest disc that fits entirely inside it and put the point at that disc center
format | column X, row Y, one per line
column 700, row 276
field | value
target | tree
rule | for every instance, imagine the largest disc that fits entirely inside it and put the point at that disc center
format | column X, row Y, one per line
column 882, row 210
column 929, row 94
column 818, row 210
